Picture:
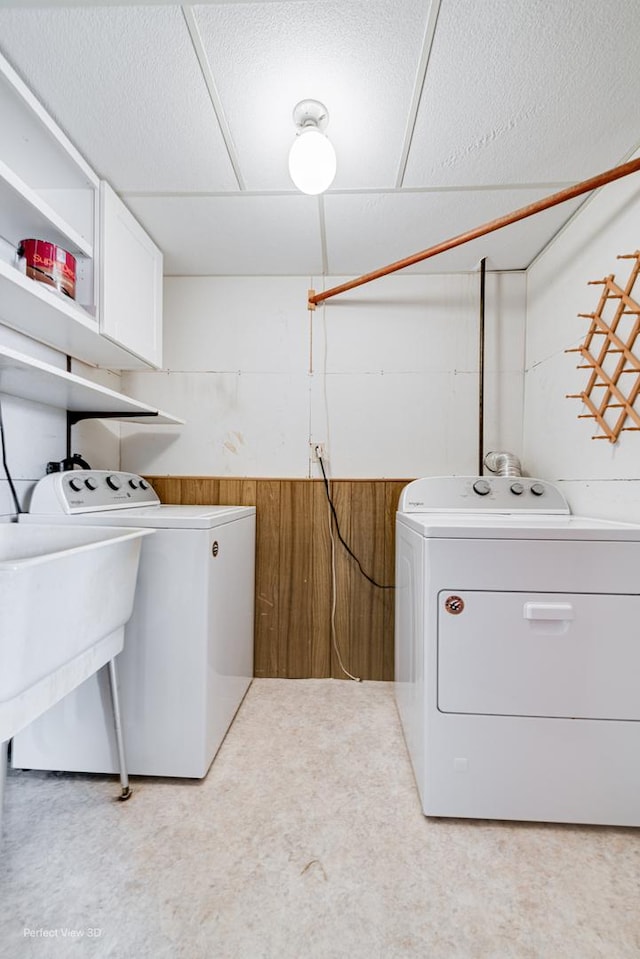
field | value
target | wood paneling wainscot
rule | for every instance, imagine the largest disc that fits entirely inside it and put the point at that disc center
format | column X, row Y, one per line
column 293, row 570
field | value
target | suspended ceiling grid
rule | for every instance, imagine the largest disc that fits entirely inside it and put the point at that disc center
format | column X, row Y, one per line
column 443, row 115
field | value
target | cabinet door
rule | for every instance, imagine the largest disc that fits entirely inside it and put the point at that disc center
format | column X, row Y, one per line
column 130, row 282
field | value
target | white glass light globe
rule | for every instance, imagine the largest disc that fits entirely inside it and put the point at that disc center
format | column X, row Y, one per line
column 312, row 162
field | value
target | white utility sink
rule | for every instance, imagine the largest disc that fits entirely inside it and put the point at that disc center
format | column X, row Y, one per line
column 65, row 594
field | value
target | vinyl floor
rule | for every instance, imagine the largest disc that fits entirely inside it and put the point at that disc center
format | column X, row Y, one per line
column 305, row 841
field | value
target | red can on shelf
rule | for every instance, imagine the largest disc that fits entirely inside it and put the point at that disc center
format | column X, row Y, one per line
column 50, row 264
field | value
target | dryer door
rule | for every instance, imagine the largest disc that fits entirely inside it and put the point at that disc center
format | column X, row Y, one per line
column 569, row 655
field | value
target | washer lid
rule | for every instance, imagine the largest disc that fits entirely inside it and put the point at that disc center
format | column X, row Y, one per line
column 166, row 516
column 152, row 517
column 540, row 526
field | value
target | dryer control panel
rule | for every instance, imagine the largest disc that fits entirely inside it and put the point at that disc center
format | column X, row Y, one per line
column 482, row 494
column 89, row 491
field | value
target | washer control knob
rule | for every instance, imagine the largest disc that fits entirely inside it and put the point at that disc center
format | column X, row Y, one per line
column 537, row 489
column 76, row 485
column 517, row 489
column 133, row 483
column 481, row 487
column 90, row 483
column 144, row 484
column 113, row 482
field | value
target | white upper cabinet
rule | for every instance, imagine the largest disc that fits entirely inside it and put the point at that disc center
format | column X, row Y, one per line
column 48, row 192
column 130, row 281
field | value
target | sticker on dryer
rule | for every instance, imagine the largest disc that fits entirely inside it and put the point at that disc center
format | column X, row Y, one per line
column 454, row 605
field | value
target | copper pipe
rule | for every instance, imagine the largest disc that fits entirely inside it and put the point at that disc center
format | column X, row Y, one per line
column 585, row 186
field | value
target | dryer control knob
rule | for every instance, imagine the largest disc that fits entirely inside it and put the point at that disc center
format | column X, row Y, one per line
column 90, row 483
column 144, row 484
column 133, row 483
column 113, row 482
column 76, row 485
column 537, row 489
column 517, row 488
column 481, row 487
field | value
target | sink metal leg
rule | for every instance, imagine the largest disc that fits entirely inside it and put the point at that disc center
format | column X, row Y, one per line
column 115, row 702
column 4, row 759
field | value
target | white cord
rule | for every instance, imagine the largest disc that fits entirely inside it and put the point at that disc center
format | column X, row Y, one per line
column 334, row 640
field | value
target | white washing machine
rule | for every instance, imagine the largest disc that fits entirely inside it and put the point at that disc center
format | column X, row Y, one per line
column 188, row 655
column 517, row 670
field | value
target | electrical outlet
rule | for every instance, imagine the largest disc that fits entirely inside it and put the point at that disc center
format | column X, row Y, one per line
column 318, row 451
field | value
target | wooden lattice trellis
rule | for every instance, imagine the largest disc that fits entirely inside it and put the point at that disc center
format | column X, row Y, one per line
column 614, row 367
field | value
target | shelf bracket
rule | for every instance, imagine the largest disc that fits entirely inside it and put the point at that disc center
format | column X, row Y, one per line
column 75, row 416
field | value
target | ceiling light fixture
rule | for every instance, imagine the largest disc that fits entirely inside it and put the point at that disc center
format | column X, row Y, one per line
column 312, row 158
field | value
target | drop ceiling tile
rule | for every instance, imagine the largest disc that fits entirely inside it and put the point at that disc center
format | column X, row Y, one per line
column 368, row 231
column 527, row 92
column 233, row 235
column 359, row 57
column 125, row 84
column 515, row 92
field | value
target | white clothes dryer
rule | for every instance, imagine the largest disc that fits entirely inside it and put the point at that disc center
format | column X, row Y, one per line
column 517, row 658
column 188, row 654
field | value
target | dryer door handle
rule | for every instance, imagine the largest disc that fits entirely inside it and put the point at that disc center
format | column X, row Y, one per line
column 548, row 611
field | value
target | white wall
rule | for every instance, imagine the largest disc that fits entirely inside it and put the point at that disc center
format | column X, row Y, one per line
column 598, row 478
column 97, row 441
column 36, row 434
column 385, row 376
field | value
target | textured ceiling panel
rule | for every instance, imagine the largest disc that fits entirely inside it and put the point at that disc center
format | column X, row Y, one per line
column 527, row 92
column 250, row 235
column 516, row 92
column 125, row 85
column 367, row 232
column 359, row 57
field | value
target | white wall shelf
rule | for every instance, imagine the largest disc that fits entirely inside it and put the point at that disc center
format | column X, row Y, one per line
column 47, row 316
column 31, row 379
column 25, row 215
column 47, row 190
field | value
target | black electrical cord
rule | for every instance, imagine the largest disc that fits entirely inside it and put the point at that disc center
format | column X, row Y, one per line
column 340, row 536
column 6, row 468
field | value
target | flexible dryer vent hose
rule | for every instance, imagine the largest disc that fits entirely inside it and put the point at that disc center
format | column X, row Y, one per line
column 504, row 464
